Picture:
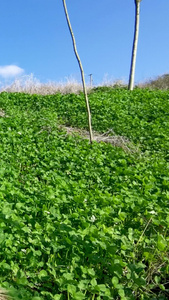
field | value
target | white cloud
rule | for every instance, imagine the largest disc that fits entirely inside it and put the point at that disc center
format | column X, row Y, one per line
column 10, row 71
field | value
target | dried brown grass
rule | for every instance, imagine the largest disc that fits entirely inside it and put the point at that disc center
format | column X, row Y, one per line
column 160, row 83
column 107, row 137
column 31, row 85
column 3, row 294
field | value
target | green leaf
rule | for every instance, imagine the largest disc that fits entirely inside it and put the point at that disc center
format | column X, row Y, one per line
column 42, row 274
column 78, row 296
column 6, row 266
column 167, row 219
column 162, row 287
column 157, row 279
column 161, row 243
column 22, row 281
column 102, row 287
column 130, row 234
column 140, row 281
column 71, row 289
column 83, row 284
column 91, row 272
column 68, row 276
column 122, row 215
column 93, row 282
column 115, row 281
column 121, row 294
column 57, row 297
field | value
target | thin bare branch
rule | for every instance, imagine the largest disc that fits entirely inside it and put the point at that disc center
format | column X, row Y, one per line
column 81, row 70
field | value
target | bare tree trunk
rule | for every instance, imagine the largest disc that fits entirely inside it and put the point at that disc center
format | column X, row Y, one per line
column 81, row 70
column 135, row 43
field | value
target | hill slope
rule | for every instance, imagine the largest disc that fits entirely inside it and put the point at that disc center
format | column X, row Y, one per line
column 80, row 221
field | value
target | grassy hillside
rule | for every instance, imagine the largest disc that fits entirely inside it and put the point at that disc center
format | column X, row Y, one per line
column 80, row 221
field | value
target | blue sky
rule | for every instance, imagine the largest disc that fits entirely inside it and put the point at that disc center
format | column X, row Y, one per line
column 34, row 38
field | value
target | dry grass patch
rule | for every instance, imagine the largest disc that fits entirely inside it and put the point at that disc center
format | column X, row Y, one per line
column 107, row 137
column 160, row 83
column 3, row 295
column 31, row 85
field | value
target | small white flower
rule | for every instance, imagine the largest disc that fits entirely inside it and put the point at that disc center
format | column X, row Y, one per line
column 19, row 132
column 93, row 218
column 153, row 212
column 85, row 200
column 23, row 250
column 47, row 212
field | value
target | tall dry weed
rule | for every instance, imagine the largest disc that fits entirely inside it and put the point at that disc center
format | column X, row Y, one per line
column 31, row 85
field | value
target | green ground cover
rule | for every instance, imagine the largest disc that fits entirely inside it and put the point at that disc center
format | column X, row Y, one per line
column 80, row 221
